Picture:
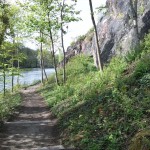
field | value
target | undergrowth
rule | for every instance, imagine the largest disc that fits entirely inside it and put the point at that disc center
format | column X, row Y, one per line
column 108, row 111
column 8, row 104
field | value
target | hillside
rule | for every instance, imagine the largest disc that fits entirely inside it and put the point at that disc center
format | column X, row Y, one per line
column 108, row 111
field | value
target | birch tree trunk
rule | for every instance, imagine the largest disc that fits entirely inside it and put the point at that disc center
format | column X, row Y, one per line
column 53, row 50
column 96, row 37
column 62, row 42
column 41, row 59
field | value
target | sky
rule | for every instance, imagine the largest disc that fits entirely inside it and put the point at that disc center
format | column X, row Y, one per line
column 82, row 27
column 75, row 29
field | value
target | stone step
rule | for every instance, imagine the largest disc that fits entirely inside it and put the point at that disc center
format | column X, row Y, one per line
column 30, row 122
column 55, row 147
column 58, row 147
column 27, row 142
column 31, row 127
column 28, row 134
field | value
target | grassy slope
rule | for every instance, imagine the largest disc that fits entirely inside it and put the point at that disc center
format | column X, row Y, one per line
column 105, row 112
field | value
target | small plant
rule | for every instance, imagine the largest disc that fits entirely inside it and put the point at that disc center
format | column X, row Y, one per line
column 142, row 67
column 120, row 16
column 145, row 80
column 141, row 10
column 78, row 39
column 132, row 55
column 72, row 43
column 81, row 38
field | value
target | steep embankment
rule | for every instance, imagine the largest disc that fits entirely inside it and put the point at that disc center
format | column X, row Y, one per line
column 108, row 111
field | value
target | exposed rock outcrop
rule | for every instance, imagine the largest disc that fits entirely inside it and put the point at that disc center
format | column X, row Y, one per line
column 119, row 30
column 82, row 45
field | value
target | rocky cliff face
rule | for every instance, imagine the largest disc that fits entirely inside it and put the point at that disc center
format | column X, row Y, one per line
column 119, row 29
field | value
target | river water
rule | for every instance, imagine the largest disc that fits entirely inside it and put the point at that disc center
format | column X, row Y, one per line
column 26, row 78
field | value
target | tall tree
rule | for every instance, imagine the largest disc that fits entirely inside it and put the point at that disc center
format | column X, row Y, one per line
column 15, row 31
column 42, row 59
column 12, row 69
column 7, row 22
column 67, row 14
column 100, row 65
column 12, row 33
column 50, row 7
column 4, row 19
column 5, row 56
column 53, row 49
column 62, row 41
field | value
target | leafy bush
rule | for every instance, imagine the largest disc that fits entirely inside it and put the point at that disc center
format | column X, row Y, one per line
column 132, row 55
column 142, row 67
column 8, row 104
column 145, row 80
column 78, row 39
column 141, row 50
column 79, row 65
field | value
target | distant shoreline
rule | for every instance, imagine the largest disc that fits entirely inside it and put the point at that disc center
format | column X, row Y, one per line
column 28, row 77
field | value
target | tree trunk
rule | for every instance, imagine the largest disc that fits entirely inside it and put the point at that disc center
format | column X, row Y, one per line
column 53, row 51
column 62, row 42
column 12, row 84
column 12, row 73
column 44, row 70
column 12, row 77
column 18, row 67
column 96, row 37
column 4, row 77
column 134, row 9
column 18, row 63
column 41, row 59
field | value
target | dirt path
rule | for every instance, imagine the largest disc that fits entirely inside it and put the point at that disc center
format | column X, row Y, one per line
column 33, row 128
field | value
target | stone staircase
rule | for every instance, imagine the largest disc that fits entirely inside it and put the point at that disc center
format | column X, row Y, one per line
column 34, row 135
column 32, row 128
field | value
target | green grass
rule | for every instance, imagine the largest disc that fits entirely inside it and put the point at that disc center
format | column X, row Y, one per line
column 8, row 104
column 104, row 112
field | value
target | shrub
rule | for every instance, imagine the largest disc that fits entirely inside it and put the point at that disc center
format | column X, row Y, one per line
column 8, row 104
